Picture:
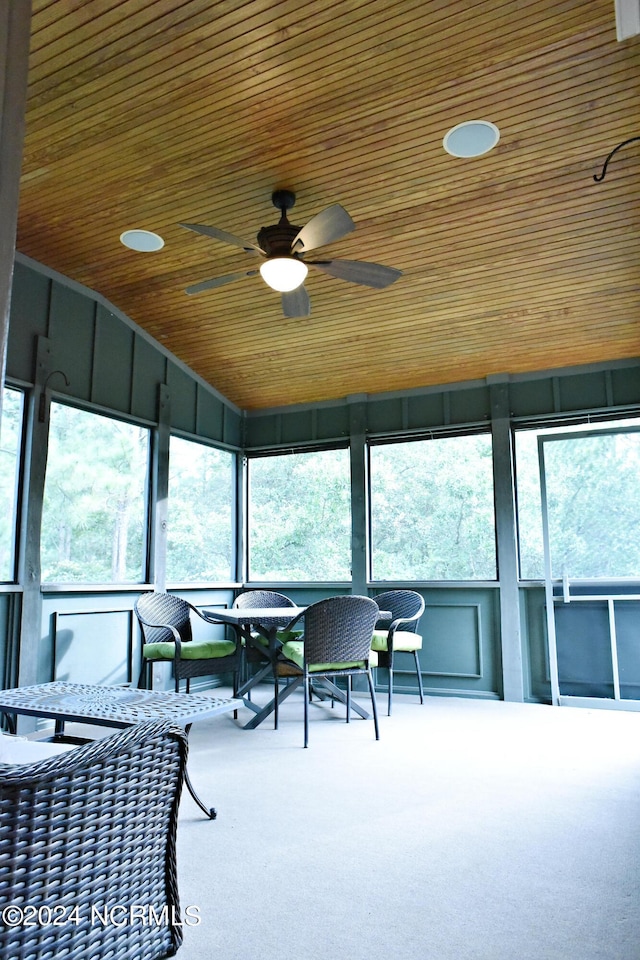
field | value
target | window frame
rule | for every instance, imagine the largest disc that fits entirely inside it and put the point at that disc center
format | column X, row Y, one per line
column 445, row 433
column 148, row 506
column 235, row 510
column 589, row 423
column 289, row 450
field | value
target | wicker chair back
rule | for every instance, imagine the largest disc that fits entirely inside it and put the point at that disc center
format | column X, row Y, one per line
column 339, row 630
column 164, row 608
column 263, row 598
column 87, row 831
column 405, row 605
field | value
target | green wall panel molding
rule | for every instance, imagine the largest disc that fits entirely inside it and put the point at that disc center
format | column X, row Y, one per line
column 94, row 646
column 461, row 642
column 453, row 635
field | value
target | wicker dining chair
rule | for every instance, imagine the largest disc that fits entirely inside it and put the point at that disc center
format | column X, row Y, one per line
column 258, row 653
column 401, row 635
column 88, row 849
column 336, row 643
column 165, row 623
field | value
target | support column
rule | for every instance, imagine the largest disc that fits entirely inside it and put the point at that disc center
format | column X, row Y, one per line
column 29, row 572
column 15, row 26
column 506, row 541
column 160, row 492
column 358, row 455
column 159, row 520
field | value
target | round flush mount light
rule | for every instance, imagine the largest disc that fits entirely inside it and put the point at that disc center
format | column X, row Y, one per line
column 143, row 240
column 471, row 138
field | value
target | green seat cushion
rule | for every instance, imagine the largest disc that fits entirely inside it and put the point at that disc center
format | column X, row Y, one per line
column 403, row 640
column 282, row 635
column 193, row 650
column 294, row 650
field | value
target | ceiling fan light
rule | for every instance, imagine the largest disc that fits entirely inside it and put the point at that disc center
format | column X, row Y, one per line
column 283, row 273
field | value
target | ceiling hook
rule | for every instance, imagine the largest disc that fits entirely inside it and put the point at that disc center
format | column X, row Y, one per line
column 599, row 179
column 43, row 395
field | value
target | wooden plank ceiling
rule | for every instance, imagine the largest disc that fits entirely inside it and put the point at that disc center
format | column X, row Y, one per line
column 148, row 114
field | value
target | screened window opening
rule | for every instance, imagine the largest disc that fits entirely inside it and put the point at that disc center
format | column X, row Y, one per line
column 10, row 444
column 299, row 516
column 432, row 509
column 592, row 494
column 94, row 511
column 200, row 544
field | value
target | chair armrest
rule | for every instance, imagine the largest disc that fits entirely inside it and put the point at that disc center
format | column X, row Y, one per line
column 165, row 626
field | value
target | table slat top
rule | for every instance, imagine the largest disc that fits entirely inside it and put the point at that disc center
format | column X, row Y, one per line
column 111, row 705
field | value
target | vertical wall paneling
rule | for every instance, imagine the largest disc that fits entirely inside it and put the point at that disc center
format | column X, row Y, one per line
column 209, row 416
column 531, row 398
column 233, row 425
column 183, row 399
column 506, row 543
column 149, row 369
column 583, row 390
column 71, row 333
column 30, row 309
column 332, row 421
column 425, row 411
column 469, row 406
column 112, row 362
column 625, row 383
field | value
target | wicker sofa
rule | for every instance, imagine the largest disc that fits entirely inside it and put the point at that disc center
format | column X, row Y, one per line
column 87, row 849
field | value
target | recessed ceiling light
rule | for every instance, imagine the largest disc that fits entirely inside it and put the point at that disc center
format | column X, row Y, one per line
column 142, row 240
column 471, row 138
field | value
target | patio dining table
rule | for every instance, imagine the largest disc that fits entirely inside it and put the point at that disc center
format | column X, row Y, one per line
column 259, row 626
column 253, row 623
column 112, row 706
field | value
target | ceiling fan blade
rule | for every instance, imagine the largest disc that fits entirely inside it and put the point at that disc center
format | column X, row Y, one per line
column 358, row 271
column 332, row 224
column 296, row 303
column 219, row 281
column 225, row 237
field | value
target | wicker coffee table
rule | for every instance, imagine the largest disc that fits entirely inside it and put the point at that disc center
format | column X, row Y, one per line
column 113, row 707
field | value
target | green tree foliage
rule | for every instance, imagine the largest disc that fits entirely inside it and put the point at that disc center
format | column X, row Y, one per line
column 594, row 507
column 93, row 522
column 200, row 536
column 432, row 512
column 300, row 517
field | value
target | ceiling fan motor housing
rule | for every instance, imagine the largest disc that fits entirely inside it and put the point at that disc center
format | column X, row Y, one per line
column 276, row 240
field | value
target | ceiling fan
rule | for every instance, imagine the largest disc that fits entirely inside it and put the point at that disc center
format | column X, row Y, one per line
column 283, row 247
